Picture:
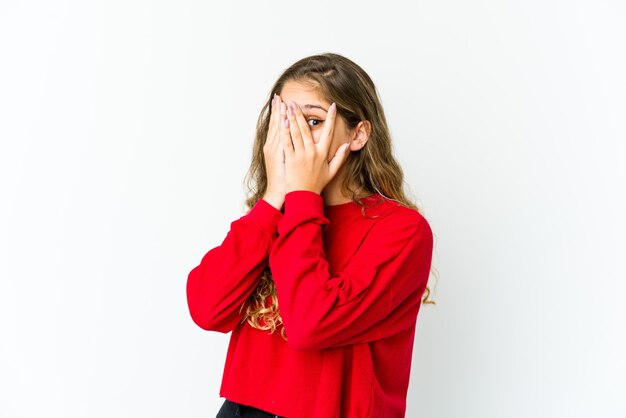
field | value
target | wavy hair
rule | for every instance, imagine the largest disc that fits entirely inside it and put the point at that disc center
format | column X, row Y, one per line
column 371, row 169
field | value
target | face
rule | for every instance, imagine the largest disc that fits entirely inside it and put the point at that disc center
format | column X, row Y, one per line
column 314, row 108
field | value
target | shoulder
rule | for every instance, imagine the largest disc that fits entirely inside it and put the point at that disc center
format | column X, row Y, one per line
column 396, row 222
column 392, row 212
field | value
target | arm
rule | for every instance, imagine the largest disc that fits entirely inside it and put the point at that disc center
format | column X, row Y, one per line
column 377, row 294
column 229, row 273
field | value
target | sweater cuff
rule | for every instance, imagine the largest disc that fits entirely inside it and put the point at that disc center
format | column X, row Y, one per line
column 302, row 206
column 265, row 215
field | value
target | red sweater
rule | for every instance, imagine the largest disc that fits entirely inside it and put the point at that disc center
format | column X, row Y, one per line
column 349, row 288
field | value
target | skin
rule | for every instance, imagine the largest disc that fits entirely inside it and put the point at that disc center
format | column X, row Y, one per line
column 307, row 144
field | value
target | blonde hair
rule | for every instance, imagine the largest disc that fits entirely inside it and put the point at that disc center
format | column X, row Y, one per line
column 372, row 169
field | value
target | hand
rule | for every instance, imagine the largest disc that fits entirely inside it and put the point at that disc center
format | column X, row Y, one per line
column 306, row 162
column 275, row 157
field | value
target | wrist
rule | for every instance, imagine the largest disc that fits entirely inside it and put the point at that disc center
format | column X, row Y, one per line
column 275, row 199
column 303, row 187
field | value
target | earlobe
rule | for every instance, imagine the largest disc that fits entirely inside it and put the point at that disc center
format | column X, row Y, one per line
column 361, row 135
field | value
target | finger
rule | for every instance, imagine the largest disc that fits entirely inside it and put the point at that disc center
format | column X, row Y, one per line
column 273, row 116
column 294, row 129
column 272, row 127
column 329, row 127
column 340, row 156
column 305, row 131
column 275, row 122
column 284, row 135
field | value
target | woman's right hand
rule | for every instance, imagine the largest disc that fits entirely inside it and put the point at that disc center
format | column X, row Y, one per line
column 275, row 157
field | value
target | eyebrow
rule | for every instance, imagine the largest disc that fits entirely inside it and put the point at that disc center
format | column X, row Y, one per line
column 312, row 106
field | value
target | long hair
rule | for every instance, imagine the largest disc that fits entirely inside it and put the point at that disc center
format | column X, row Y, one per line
column 371, row 169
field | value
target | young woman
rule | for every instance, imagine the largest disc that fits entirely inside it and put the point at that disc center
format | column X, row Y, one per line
column 322, row 280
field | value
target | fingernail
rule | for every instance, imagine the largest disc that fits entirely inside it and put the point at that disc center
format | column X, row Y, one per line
column 333, row 108
column 287, row 123
column 290, row 109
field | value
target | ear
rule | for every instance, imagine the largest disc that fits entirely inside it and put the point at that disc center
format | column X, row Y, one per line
column 360, row 134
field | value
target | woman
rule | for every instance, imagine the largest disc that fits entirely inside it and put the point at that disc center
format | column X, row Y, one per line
column 322, row 280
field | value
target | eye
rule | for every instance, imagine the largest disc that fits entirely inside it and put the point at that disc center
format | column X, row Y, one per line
column 314, row 122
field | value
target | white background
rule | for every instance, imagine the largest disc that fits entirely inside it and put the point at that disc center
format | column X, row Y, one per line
column 126, row 130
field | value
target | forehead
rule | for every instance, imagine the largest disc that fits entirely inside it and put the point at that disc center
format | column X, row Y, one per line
column 302, row 93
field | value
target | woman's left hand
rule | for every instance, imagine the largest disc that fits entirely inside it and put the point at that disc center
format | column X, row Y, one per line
column 306, row 163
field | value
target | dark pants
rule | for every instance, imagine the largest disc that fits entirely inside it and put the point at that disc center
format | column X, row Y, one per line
column 235, row 410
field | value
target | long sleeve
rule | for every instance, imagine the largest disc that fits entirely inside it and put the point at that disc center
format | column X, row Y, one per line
column 227, row 274
column 375, row 295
